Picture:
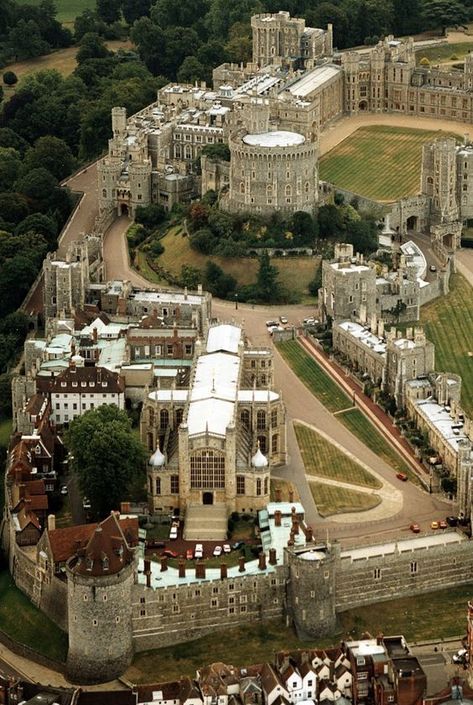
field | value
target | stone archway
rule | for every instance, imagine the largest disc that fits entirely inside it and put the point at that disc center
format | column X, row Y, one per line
column 363, row 105
column 124, row 210
column 412, row 223
column 449, row 241
column 207, row 498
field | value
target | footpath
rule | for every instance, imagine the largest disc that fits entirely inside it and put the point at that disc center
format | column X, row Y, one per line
column 366, row 405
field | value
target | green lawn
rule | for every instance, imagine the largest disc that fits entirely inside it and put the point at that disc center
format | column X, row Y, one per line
column 391, row 159
column 338, row 500
column 23, row 622
column 295, row 273
column 313, row 376
column 448, row 323
column 363, row 429
column 67, row 10
column 285, row 487
column 5, row 432
column 323, row 459
column 440, row 615
column 445, row 53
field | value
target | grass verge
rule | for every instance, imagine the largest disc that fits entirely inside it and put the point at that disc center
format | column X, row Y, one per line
column 363, row 429
column 285, row 487
column 67, row 10
column 313, row 376
column 331, row 499
column 34, row 629
column 5, row 432
column 448, row 323
column 323, row 459
column 440, row 616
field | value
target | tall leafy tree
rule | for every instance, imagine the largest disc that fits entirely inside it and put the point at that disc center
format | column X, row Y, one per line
column 51, row 153
column 107, row 456
column 440, row 14
column 109, row 10
column 267, row 285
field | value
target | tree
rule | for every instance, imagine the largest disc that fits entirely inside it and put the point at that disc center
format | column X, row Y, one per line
column 109, row 10
column 190, row 276
column 216, row 151
column 39, row 223
column 107, row 456
column 91, row 47
column 10, row 165
column 52, row 154
column 87, row 22
column 267, row 285
column 26, row 41
column 190, row 71
column 316, row 282
column 397, row 310
column 13, row 208
column 217, row 282
column 239, row 46
column 10, row 78
column 149, row 39
column 443, row 13
column 303, row 227
column 134, row 9
column 203, row 241
column 37, row 184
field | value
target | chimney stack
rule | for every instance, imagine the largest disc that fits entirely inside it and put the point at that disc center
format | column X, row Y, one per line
column 277, row 518
column 272, row 556
column 309, row 534
column 200, row 570
column 164, row 563
column 51, row 522
column 94, row 335
column 147, row 572
column 241, row 564
column 182, row 569
column 223, row 570
column 291, row 496
column 278, row 494
column 295, row 527
column 262, row 561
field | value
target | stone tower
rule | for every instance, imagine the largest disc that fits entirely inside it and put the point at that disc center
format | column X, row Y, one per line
column 351, row 70
column 468, row 72
column 311, row 588
column 464, row 477
column 276, row 37
column 439, row 178
column 99, row 586
column 65, row 282
column 376, row 99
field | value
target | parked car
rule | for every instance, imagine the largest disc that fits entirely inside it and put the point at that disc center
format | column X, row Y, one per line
column 173, row 533
column 283, row 320
column 86, row 503
column 189, row 554
column 443, row 524
column 170, row 554
column 270, row 324
column 198, row 551
column 415, row 528
column 217, row 551
column 309, row 321
column 226, row 548
column 434, row 525
column 401, row 476
column 237, row 545
column 64, row 490
column 460, row 656
column 452, row 521
column 433, row 268
column 154, row 543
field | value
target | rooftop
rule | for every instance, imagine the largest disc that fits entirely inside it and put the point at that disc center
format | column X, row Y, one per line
column 446, row 538
column 312, row 80
column 278, row 138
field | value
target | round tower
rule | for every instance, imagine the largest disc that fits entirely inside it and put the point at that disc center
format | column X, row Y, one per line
column 139, row 178
column 119, row 122
column 311, row 588
column 99, row 586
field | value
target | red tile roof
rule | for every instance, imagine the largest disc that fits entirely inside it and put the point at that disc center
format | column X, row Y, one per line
column 65, row 542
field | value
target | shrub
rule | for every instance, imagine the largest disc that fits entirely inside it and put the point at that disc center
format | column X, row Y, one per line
column 10, row 78
column 424, row 61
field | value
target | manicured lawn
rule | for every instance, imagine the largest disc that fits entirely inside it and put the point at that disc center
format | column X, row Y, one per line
column 363, row 429
column 323, row 459
column 448, row 323
column 67, row 10
column 23, row 622
column 338, row 500
column 295, row 273
column 391, row 159
column 313, row 376
column 445, row 53
column 439, row 615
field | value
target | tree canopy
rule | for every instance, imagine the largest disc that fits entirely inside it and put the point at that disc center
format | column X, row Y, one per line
column 107, row 456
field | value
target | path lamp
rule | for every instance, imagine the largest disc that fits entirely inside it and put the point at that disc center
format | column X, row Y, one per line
column 236, row 301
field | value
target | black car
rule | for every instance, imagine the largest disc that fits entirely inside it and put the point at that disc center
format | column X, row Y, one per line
column 452, row 521
column 153, row 543
column 237, row 545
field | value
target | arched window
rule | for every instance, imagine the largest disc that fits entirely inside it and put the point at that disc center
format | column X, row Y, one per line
column 150, row 484
column 158, row 485
column 261, row 420
column 263, row 444
column 242, row 187
column 188, row 152
column 151, row 417
column 266, row 485
column 274, row 443
column 164, row 418
column 269, row 190
column 104, row 193
column 179, row 414
column 207, row 469
column 306, row 187
column 288, row 190
column 258, row 486
column 430, row 180
column 149, row 440
column 245, row 417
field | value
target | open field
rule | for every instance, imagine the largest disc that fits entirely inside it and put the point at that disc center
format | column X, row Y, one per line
column 363, row 429
column 295, row 273
column 323, row 459
column 391, row 158
column 5, row 432
column 448, row 323
column 445, row 53
column 313, row 376
column 331, row 499
column 439, row 616
column 36, row 630
column 67, row 10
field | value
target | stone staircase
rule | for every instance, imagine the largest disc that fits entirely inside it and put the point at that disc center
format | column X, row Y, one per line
column 205, row 522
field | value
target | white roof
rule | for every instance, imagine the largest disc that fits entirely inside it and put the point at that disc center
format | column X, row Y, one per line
column 278, row 138
column 413, row 544
column 415, row 258
column 364, row 335
column 349, row 267
column 440, row 418
column 247, row 395
column 169, row 395
column 224, row 337
column 312, row 80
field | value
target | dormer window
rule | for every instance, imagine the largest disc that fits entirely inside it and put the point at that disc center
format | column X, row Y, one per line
column 83, row 384
column 89, row 564
column 104, row 384
column 74, row 384
column 63, row 384
column 105, row 564
column 91, row 384
column 37, row 450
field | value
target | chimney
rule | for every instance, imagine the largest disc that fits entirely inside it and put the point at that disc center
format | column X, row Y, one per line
column 295, row 527
column 182, row 569
column 94, row 335
column 291, row 496
column 124, row 507
column 223, row 570
column 278, row 494
column 293, row 513
column 272, row 556
column 262, row 561
column 147, row 572
column 200, row 570
column 51, row 522
column 164, row 563
column 241, row 564
column 309, row 534
column 277, row 518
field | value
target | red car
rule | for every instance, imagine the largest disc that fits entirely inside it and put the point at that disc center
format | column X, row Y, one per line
column 189, row 554
column 415, row 528
column 443, row 524
column 169, row 554
column 401, row 476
